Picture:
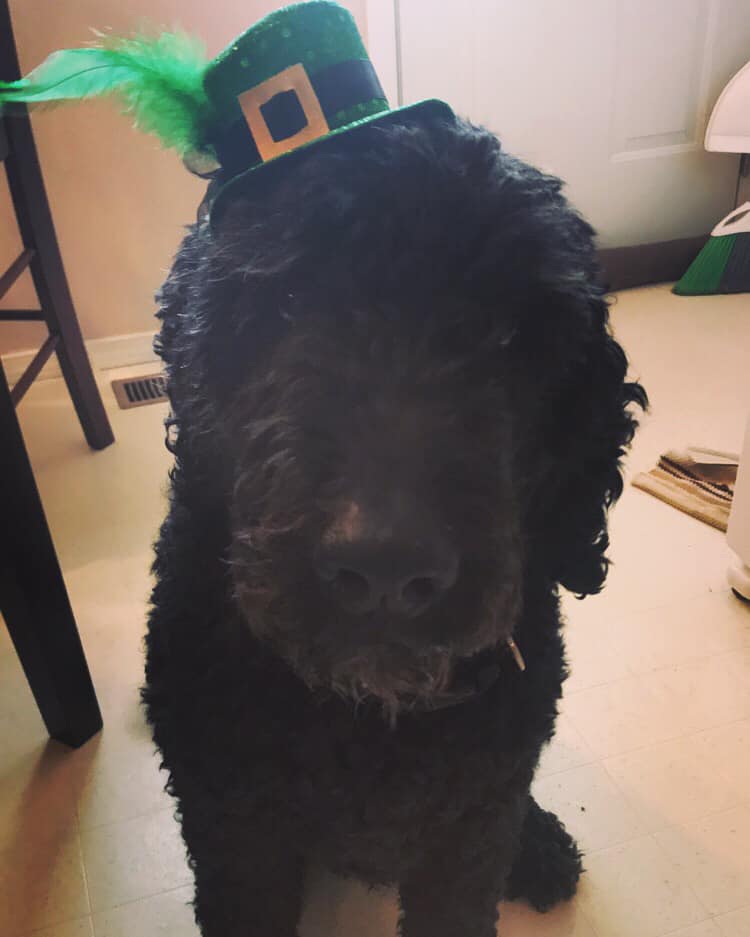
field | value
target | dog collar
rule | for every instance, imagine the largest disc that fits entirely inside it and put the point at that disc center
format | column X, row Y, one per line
column 484, row 678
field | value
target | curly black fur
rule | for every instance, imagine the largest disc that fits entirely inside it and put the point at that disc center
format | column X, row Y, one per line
column 548, row 865
column 411, row 317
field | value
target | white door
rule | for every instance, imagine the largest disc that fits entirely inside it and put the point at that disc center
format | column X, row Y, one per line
column 611, row 95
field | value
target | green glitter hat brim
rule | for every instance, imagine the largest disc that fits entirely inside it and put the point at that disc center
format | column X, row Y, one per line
column 244, row 183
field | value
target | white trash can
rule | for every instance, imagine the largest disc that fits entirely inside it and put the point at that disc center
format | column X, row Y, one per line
column 738, row 529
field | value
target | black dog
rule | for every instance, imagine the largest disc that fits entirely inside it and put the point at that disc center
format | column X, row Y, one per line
column 397, row 419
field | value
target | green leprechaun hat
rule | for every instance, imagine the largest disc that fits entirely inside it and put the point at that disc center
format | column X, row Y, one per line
column 296, row 79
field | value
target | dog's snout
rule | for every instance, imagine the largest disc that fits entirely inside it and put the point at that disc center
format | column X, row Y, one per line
column 406, row 579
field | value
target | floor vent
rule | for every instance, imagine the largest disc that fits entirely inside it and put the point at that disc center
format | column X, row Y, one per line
column 139, row 391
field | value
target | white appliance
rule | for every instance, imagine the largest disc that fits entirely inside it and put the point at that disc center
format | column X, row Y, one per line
column 728, row 129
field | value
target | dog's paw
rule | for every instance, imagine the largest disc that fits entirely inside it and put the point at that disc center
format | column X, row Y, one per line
column 548, row 865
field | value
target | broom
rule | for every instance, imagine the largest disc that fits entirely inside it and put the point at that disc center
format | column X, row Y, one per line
column 723, row 265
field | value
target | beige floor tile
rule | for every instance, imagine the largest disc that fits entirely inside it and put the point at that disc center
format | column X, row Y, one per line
column 674, row 782
column 625, row 715
column 80, row 928
column 593, row 656
column 712, row 854
column 706, row 928
column 661, row 705
column 166, row 915
column 337, row 907
column 41, row 883
column 634, row 890
column 679, row 559
column 133, row 859
column 593, row 608
column 114, row 497
column 588, row 802
column 737, row 665
column 567, row 750
column 110, row 600
column 707, row 693
column 734, row 924
column 36, row 793
column 567, row 920
column 728, row 748
column 687, row 631
column 624, row 643
column 21, row 728
column 122, row 782
column 678, row 345
column 123, row 779
column 124, row 719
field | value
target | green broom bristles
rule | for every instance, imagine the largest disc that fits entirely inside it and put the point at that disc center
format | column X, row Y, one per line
column 704, row 274
column 723, row 266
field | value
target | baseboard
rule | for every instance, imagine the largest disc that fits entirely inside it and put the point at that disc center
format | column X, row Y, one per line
column 661, row 262
column 117, row 351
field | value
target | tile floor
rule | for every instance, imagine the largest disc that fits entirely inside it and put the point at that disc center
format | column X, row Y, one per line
column 651, row 765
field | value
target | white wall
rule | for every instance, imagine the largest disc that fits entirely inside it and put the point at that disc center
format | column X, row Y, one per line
column 118, row 200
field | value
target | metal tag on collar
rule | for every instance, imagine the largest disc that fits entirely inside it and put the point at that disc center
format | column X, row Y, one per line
column 517, row 655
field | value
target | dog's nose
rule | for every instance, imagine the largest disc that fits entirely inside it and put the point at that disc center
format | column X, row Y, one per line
column 406, row 579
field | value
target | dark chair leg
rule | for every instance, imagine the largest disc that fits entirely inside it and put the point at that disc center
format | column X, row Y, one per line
column 36, row 227
column 33, row 597
column 38, row 233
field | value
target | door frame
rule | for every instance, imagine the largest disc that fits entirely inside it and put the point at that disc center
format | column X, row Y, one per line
column 384, row 45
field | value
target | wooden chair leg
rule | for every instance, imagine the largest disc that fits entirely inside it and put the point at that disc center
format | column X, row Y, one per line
column 47, row 271
column 38, row 234
column 33, row 597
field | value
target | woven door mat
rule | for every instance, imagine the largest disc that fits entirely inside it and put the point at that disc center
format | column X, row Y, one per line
column 696, row 483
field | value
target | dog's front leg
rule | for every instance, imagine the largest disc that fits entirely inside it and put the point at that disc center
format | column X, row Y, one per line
column 248, row 881
column 456, row 890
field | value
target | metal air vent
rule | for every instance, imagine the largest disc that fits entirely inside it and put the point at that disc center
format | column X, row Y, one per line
column 139, row 391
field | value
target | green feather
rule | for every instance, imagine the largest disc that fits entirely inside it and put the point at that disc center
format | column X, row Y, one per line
column 160, row 82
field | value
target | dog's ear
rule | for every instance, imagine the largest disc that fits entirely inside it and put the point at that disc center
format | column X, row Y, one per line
column 585, row 422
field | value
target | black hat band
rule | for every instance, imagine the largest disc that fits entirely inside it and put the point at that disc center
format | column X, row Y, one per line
column 279, row 120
